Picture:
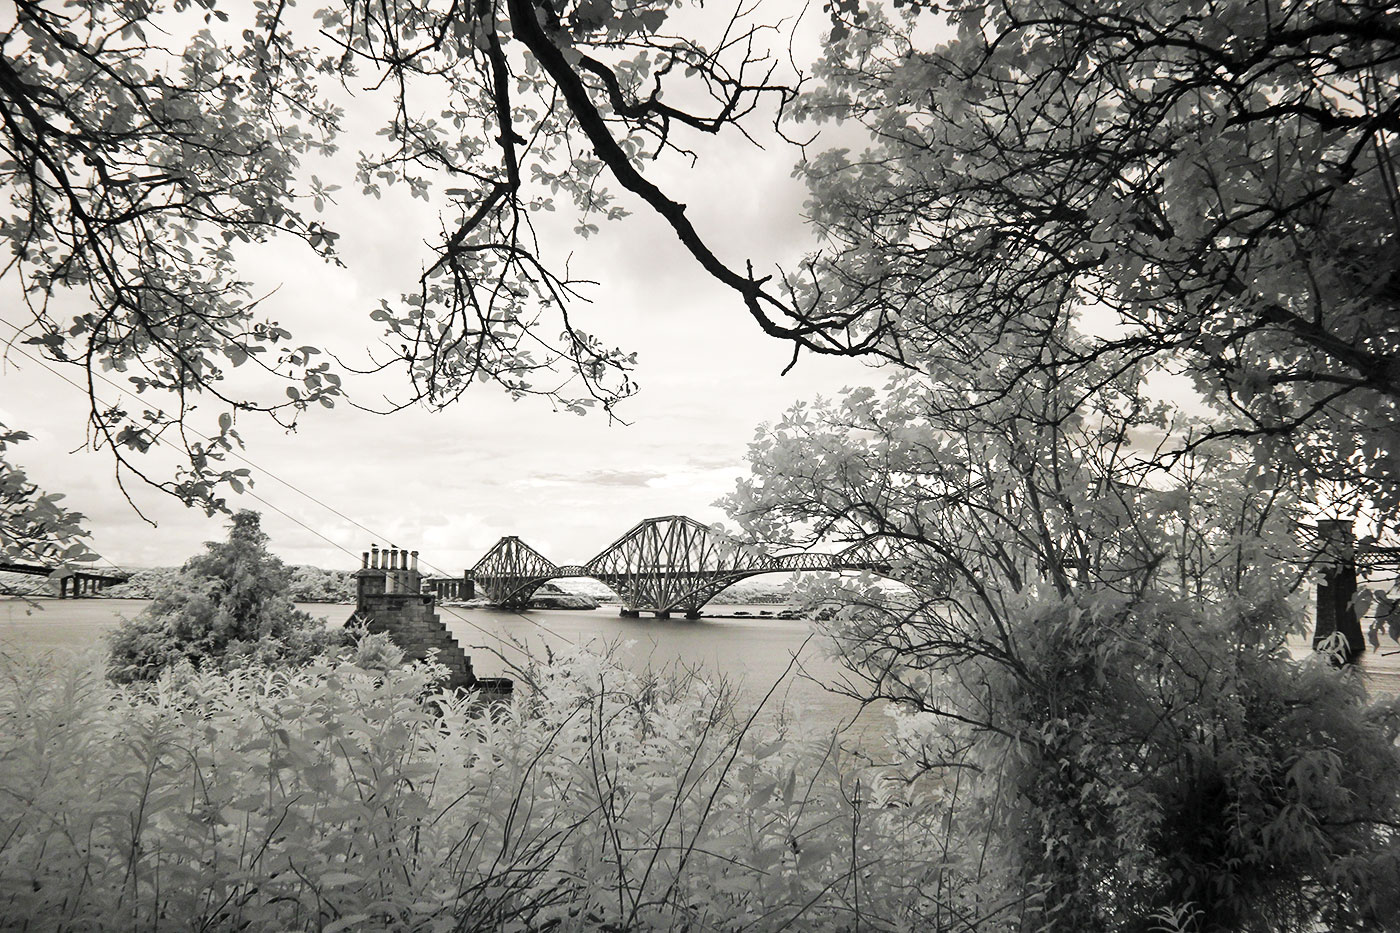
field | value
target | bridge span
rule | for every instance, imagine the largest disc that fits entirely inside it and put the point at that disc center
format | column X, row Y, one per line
column 70, row 580
column 662, row 565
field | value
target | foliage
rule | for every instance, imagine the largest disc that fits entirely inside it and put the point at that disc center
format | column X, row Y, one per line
column 315, row 585
column 1208, row 185
column 137, row 169
column 132, row 173
column 33, row 525
column 1056, row 205
column 330, row 797
column 228, row 607
column 144, row 583
column 1091, row 648
column 307, row 584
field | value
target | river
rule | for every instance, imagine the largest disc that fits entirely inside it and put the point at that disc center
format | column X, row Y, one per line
column 753, row 653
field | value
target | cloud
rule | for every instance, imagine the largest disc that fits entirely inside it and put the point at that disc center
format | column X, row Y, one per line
column 601, row 478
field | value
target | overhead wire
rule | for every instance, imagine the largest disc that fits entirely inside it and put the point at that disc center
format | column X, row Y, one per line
column 292, row 518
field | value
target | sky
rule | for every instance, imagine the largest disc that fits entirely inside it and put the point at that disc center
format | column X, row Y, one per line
column 450, row 483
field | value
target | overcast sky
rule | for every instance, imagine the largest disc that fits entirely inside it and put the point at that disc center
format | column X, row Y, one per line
column 450, row 483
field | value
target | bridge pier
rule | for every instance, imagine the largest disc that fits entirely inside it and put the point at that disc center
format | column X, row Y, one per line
column 72, row 582
column 663, row 613
column 692, row 614
column 630, row 613
column 1335, row 611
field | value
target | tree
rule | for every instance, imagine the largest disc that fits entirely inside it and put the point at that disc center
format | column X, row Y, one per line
column 1057, row 204
column 229, row 607
column 136, row 169
column 1090, row 654
column 1208, row 186
column 33, row 525
column 132, row 173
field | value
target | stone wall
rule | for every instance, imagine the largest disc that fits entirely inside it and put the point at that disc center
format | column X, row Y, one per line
column 411, row 623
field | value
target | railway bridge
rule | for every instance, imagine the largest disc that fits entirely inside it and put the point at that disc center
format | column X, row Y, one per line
column 662, row 565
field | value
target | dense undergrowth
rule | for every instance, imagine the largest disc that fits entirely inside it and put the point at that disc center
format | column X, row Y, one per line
column 333, row 797
column 349, row 794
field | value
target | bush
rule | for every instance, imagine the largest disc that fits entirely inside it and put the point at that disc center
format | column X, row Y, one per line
column 229, row 607
column 329, row 797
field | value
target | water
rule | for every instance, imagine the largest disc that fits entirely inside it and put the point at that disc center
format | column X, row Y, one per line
column 756, row 655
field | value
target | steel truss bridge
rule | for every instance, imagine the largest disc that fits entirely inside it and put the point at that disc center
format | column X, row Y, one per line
column 662, row 565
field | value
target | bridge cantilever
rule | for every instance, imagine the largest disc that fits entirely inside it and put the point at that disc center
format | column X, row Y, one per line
column 659, row 565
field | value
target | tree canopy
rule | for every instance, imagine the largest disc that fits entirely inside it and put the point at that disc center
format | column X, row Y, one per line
column 1057, row 205
column 143, row 145
column 1207, row 187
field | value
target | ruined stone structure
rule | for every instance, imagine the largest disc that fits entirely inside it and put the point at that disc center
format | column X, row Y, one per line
column 388, row 598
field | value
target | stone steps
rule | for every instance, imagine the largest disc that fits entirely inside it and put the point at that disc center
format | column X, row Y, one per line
column 409, row 620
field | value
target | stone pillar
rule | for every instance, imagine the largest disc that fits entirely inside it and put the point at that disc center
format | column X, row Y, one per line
column 630, row 613
column 1335, row 611
column 692, row 614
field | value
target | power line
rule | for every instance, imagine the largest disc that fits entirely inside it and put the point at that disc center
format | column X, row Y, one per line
column 202, row 435
column 292, row 486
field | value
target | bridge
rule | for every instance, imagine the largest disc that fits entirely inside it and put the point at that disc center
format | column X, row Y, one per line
column 71, row 581
column 662, row 565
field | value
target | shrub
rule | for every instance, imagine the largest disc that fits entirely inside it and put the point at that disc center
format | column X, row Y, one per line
column 228, row 607
column 329, row 797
